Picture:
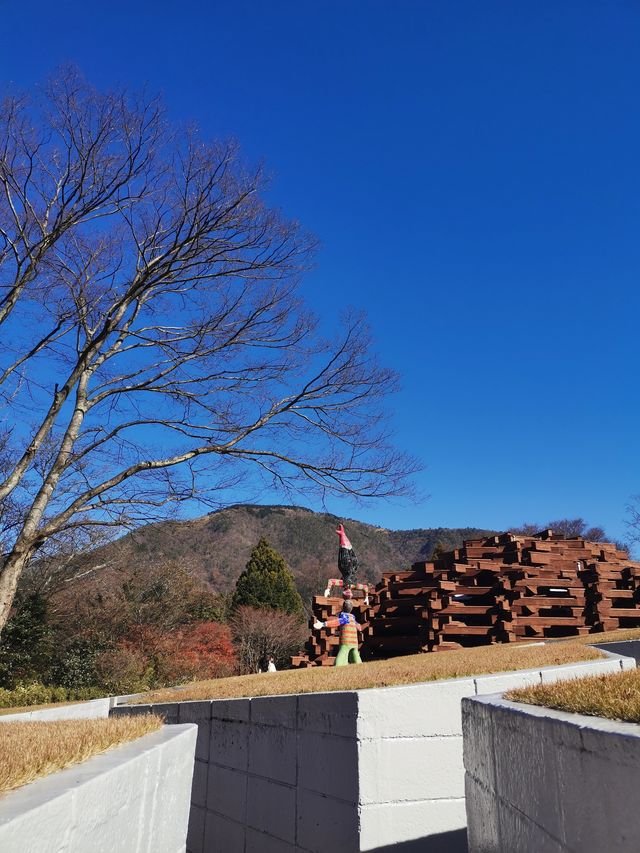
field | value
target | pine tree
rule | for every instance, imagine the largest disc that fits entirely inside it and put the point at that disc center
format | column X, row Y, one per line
column 438, row 550
column 267, row 582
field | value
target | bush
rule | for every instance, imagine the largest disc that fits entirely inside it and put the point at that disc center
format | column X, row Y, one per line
column 74, row 667
column 28, row 694
column 148, row 657
column 35, row 693
column 198, row 651
column 124, row 669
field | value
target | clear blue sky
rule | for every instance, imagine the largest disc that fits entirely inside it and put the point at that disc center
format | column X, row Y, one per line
column 472, row 171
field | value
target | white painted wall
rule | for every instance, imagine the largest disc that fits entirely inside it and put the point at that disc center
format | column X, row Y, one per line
column 94, row 708
column 131, row 799
column 273, row 773
column 411, row 773
column 548, row 782
column 91, row 709
column 349, row 772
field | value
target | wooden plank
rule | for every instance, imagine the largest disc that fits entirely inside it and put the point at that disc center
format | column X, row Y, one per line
column 548, row 621
column 467, row 609
column 548, row 601
column 459, row 628
column 620, row 612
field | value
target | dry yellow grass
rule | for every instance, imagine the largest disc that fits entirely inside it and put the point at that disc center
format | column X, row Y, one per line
column 616, row 697
column 30, row 750
column 410, row 669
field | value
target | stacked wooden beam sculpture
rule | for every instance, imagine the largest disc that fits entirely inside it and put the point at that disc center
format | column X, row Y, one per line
column 500, row 589
column 322, row 645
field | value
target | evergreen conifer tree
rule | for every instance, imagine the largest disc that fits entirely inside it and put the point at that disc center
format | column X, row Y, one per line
column 438, row 550
column 267, row 582
column 27, row 645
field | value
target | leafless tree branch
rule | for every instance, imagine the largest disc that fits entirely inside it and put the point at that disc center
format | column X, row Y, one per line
column 153, row 346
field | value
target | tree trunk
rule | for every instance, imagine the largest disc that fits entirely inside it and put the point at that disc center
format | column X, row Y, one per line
column 14, row 565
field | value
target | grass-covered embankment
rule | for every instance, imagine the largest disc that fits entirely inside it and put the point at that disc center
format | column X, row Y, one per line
column 31, row 750
column 409, row 669
column 616, row 697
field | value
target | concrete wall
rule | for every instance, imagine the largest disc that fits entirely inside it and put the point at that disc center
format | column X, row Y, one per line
column 92, row 708
column 272, row 774
column 411, row 771
column 548, row 782
column 78, row 711
column 352, row 771
column 131, row 799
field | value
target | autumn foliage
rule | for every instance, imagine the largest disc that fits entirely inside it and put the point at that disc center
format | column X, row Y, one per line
column 148, row 656
column 122, row 628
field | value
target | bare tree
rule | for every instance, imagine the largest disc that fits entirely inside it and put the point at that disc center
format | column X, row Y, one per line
column 572, row 528
column 153, row 347
column 260, row 632
column 568, row 527
column 632, row 522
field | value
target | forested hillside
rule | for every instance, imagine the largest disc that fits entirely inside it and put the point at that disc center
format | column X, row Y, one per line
column 216, row 547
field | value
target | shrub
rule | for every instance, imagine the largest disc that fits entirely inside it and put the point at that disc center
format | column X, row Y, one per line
column 35, row 693
column 29, row 694
column 124, row 669
column 201, row 650
column 148, row 657
column 74, row 667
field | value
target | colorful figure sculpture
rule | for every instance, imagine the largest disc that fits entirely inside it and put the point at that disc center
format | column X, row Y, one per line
column 348, row 591
column 348, row 565
column 347, row 560
column 346, row 622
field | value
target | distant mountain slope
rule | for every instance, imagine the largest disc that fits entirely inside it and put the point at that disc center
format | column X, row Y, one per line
column 216, row 547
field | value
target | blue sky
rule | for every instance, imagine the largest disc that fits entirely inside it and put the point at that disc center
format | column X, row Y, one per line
column 472, row 173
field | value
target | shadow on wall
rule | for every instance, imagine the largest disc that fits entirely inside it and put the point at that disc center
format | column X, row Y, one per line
column 446, row 842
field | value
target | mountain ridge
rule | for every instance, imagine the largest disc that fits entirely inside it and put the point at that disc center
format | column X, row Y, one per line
column 214, row 548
